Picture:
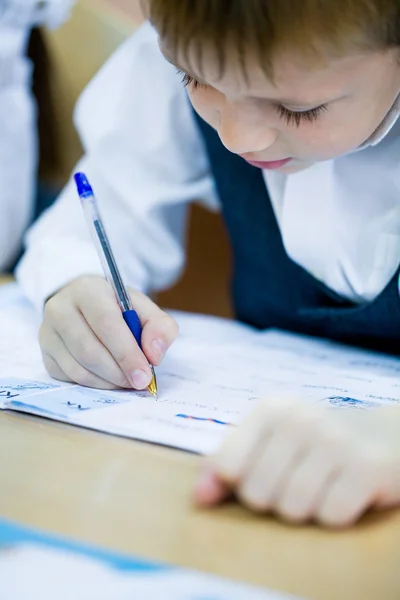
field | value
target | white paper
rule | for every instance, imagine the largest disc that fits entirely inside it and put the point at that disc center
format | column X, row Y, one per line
column 211, row 378
column 34, row 572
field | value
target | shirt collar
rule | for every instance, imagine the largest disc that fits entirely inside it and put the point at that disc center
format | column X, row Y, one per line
column 384, row 127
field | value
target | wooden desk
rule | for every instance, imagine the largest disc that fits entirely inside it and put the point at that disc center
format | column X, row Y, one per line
column 135, row 497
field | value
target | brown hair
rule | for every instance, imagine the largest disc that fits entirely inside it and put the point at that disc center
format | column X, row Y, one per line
column 43, row 87
column 263, row 27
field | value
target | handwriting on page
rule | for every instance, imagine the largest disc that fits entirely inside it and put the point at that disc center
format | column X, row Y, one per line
column 54, row 400
column 211, row 378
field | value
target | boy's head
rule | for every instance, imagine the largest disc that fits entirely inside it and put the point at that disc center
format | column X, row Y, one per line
column 306, row 80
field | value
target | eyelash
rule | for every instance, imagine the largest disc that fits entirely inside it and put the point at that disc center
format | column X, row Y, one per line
column 189, row 80
column 297, row 118
column 290, row 116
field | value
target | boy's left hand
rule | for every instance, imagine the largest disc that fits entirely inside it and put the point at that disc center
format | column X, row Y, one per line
column 306, row 462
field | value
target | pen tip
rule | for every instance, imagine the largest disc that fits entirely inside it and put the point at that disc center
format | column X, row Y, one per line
column 153, row 386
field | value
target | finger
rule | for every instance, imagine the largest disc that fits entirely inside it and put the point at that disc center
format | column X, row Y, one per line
column 273, row 466
column 62, row 366
column 348, row 496
column 106, row 320
column 87, row 349
column 210, row 489
column 239, row 449
column 160, row 330
column 301, row 493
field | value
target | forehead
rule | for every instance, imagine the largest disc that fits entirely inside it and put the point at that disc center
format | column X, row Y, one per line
column 288, row 73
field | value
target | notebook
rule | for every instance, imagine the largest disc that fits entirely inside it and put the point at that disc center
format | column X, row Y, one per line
column 215, row 373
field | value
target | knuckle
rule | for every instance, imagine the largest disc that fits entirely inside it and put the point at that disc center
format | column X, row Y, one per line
column 263, row 411
column 306, row 419
column 136, row 295
column 331, row 436
column 87, row 354
column 169, row 326
column 53, row 309
column 88, row 284
column 101, row 320
column 282, row 408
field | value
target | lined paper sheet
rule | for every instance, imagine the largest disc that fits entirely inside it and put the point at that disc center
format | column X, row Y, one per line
column 212, row 377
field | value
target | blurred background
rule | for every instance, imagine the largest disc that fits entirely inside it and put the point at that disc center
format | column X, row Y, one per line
column 107, row 23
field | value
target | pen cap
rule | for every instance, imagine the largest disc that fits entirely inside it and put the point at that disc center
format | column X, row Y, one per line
column 83, row 186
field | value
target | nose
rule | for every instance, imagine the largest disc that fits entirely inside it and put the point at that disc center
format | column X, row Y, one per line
column 243, row 132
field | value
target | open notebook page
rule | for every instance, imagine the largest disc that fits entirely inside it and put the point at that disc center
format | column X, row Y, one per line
column 211, row 378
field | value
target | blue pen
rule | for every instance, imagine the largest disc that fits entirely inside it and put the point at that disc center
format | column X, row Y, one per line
column 109, row 265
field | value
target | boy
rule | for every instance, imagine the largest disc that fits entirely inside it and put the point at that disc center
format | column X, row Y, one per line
column 294, row 136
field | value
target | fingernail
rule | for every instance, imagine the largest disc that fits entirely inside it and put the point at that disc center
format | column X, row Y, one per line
column 159, row 347
column 140, row 379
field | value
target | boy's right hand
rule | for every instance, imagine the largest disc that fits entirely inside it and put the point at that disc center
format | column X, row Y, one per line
column 85, row 339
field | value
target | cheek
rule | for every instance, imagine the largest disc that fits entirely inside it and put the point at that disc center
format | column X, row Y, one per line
column 323, row 141
column 205, row 106
column 340, row 131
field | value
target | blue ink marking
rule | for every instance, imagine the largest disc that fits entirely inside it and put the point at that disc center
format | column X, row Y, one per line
column 31, row 408
column 347, row 402
column 54, row 400
column 209, row 420
column 7, row 395
column 23, row 388
column 75, row 405
column 64, row 402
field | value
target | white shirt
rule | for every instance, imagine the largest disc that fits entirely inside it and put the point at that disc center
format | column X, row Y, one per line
column 18, row 143
column 339, row 219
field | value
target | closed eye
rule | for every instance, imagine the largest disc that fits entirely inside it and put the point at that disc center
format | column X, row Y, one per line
column 298, row 117
column 290, row 116
column 188, row 80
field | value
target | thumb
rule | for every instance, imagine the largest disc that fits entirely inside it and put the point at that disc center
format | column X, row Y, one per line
column 158, row 334
column 159, row 329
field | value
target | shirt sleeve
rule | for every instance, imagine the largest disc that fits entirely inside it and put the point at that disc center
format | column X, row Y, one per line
column 145, row 160
column 18, row 139
column 18, row 144
column 17, row 163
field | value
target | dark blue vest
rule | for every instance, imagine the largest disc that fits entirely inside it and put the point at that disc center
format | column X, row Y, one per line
column 271, row 290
